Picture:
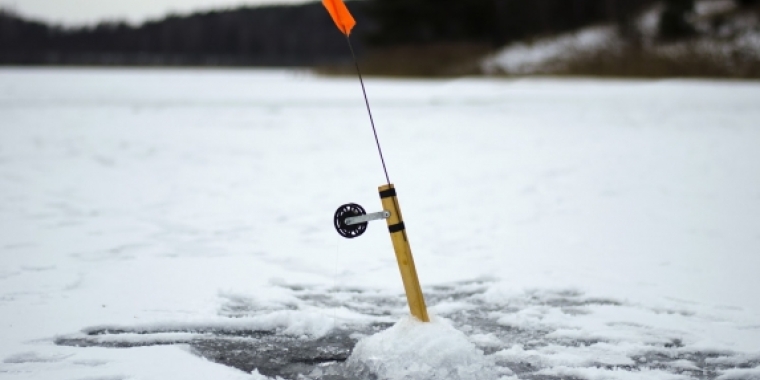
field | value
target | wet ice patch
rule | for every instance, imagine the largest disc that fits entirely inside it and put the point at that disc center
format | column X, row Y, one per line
column 34, row 357
column 597, row 373
column 287, row 322
column 421, row 351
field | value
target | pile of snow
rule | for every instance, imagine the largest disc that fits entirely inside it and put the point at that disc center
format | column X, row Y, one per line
column 549, row 54
column 421, row 351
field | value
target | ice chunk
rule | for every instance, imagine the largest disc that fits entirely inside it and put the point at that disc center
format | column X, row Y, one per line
column 421, row 351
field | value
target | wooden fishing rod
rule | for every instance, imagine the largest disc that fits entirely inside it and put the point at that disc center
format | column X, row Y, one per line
column 351, row 220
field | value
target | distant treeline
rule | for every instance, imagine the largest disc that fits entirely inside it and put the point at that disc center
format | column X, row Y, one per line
column 490, row 21
column 265, row 36
column 300, row 35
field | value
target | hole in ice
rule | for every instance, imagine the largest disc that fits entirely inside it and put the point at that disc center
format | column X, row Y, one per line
column 539, row 334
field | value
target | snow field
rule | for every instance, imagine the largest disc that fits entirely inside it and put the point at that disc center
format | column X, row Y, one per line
column 567, row 228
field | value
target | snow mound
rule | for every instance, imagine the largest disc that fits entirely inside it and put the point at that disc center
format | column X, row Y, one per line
column 421, row 351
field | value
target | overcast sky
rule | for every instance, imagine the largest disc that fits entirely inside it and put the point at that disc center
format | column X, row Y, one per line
column 75, row 12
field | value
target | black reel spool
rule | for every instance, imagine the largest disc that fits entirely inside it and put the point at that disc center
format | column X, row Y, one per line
column 348, row 211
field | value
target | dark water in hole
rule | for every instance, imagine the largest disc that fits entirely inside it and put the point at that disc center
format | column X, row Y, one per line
column 273, row 353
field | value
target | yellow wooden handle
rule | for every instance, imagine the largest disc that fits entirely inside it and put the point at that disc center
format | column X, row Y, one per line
column 403, row 253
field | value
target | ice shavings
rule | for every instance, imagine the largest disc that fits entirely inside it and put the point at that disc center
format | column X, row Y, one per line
column 571, row 317
column 596, row 354
column 567, row 329
column 737, row 359
column 447, row 307
column 595, row 373
column 412, row 350
column 740, row 374
column 486, row 340
column 684, row 364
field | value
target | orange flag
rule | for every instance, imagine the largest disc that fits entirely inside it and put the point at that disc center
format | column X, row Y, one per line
column 340, row 15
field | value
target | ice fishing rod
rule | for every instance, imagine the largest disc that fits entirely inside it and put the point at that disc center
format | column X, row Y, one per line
column 350, row 220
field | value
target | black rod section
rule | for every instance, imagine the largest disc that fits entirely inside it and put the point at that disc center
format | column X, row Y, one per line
column 369, row 111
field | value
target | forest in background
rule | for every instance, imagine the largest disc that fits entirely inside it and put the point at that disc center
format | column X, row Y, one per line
column 298, row 35
column 393, row 36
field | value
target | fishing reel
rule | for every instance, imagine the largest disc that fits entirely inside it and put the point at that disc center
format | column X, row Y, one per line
column 351, row 220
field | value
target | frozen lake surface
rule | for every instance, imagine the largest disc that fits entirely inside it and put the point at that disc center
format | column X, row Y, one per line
column 177, row 224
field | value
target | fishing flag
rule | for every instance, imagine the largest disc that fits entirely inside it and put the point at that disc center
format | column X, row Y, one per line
column 340, row 14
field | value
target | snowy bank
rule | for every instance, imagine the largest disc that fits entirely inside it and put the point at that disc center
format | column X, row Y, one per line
column 550, row 54
column 726, row 43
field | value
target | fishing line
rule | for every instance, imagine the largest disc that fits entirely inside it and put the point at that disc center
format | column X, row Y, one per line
column 369, row 111
column 335, row 279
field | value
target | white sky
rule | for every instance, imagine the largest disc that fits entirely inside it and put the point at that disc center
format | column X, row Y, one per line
column 75, row 12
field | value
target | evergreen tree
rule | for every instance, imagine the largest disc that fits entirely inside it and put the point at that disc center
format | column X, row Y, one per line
column 747, row 3
column 674, row 22
column 431, row 21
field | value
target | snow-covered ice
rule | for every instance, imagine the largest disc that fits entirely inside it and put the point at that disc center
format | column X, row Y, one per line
column 178, row 224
